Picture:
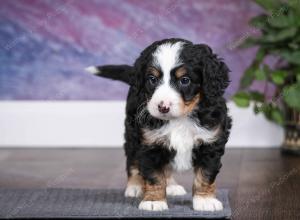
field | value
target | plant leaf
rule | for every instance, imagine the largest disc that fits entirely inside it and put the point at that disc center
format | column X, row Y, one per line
column 248, row 77
column 266, row 110
column 278, row 76
column 291, row 95
column 259, row 21
column 257, row 96
column 241, row 99
column 281, row 20
column 292, row 57
column 269, row 5
column 272, row 113
column 256, row 108
column 249, row 74
column 279, row 36
column 297, row 38
column 294, row 7
column 260, row 74
column 248, row 42
column 294, row 45
column 277, row 115
column 260, row 55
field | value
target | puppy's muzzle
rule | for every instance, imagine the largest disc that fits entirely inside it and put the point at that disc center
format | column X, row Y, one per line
column 163, row 107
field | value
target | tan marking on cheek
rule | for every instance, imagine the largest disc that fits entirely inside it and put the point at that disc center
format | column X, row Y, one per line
column 157, row 191
column 153, row 71
column 201, row 187
column 189, row 106
column 180, row 72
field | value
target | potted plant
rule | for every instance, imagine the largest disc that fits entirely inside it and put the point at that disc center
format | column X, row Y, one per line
column 276, row 66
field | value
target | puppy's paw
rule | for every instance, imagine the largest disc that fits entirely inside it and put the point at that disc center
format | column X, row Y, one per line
column 201, row 203
column 133, row 191
column 175, row 190
column 153, row 205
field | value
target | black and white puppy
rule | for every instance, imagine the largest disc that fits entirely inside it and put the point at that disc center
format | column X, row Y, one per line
column 176, row 119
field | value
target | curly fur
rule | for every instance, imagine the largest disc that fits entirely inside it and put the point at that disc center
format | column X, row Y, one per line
column 210, row 76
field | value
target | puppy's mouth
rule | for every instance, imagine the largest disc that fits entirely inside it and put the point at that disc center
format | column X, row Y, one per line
column 165, row 117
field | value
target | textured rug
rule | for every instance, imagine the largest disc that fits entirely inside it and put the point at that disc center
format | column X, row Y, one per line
column 92, row 204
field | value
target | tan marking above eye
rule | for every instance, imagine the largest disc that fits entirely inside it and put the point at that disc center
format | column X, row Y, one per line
column 153, row 71
column 180, row 72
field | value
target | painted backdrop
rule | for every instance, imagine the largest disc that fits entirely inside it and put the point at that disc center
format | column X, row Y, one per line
column 46, row 44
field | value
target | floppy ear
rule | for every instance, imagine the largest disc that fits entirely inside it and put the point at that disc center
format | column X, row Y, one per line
column 215, row 77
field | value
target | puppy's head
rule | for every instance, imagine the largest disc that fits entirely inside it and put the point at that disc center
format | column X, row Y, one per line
column 175, row 75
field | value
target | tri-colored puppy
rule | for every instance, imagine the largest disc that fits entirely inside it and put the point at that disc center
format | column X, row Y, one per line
column 176, row 119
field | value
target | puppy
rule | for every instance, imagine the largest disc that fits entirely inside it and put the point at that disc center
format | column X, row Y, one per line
column 176, row 119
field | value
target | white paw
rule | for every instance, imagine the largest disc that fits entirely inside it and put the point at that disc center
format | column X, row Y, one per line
column 153, row 205
column 175, row 190
column 133, row 191
column 206, row 204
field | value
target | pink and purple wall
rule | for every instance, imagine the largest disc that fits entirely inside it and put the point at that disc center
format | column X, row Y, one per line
column 46, row 44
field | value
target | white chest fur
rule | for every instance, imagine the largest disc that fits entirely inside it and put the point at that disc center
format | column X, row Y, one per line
column 180, row 135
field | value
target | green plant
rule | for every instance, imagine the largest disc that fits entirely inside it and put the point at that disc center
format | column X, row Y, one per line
column 279, row 37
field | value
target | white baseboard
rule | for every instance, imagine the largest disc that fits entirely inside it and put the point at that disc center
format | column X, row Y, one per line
column 101, row 124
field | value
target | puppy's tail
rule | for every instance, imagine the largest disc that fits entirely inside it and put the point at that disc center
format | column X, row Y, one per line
column 122, row 73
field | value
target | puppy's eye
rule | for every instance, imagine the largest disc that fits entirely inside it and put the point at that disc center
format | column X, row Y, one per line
column 185, row 81
column 152, row 79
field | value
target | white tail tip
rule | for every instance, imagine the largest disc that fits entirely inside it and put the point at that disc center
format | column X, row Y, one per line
column 92, row 70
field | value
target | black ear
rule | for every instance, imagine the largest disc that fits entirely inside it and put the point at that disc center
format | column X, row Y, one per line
column 215, row 78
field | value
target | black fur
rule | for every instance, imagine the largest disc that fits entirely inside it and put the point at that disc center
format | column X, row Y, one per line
column 124, row 73
column 210, row 75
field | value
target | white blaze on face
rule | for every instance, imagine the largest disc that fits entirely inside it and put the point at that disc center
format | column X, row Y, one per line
column 166, row 57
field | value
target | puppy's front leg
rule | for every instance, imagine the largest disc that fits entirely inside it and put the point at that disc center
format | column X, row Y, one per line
column 155, row 194
column 204, row 194
column 135, row 183
column 207, row 163
column 173, row 188
column 152, row 163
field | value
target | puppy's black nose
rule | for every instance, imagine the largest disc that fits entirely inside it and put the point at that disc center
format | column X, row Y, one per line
column 163, row 109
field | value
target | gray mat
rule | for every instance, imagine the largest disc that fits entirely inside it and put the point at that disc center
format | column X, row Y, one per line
column 91, row 204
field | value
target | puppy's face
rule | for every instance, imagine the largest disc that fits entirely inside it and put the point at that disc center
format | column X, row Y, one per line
column 174, row 75
column 172, row 84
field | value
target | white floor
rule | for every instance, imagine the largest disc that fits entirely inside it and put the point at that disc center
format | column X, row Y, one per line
column 101, row 124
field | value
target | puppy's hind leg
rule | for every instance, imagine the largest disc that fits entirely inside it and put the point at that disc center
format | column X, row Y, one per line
column 135, row 184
